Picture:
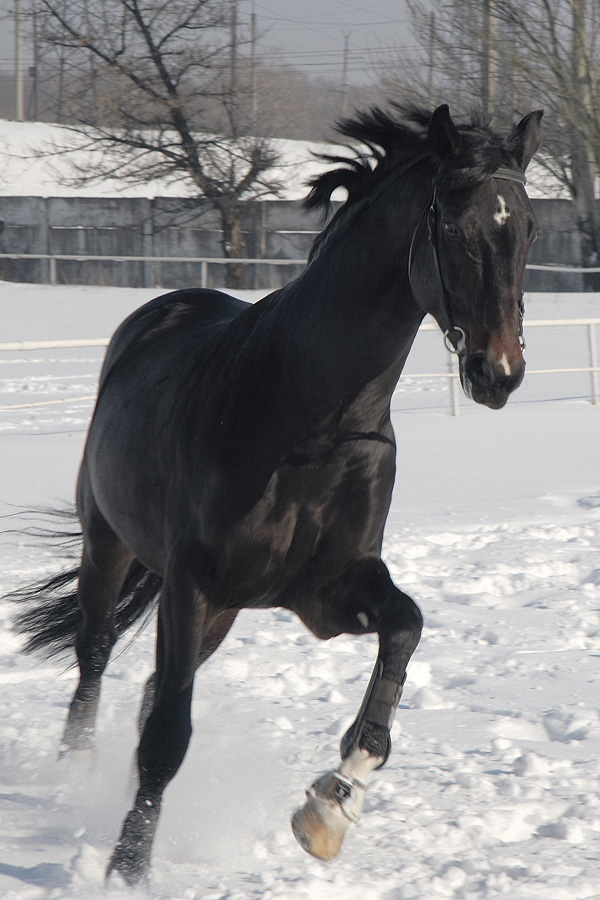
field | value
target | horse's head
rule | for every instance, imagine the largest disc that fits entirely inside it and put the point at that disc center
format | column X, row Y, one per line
column 470, row 248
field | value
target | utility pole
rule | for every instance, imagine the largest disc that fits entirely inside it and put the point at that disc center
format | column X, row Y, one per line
column 231, row 103
column 33, row 105
column 489, row 55
column 584, row 160
column 345, row 85
column 233, row 73
column 582, row 68
column 253, row 100
column 431, row 70
column 19, row 87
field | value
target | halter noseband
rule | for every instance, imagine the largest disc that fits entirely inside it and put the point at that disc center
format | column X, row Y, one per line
column 446, row 321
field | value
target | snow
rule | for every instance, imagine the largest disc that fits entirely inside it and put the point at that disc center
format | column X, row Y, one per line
column 493, row 787
column 32, row 167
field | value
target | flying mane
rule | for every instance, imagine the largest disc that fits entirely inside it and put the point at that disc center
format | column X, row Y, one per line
column 389, row 141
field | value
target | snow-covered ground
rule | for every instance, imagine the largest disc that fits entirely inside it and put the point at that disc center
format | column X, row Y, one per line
column 493, row 786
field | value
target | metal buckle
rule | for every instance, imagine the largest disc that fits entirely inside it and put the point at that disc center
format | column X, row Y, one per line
column 461, row 344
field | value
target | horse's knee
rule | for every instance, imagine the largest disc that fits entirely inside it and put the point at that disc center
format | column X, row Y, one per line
column 377, row 604
column 400, row 621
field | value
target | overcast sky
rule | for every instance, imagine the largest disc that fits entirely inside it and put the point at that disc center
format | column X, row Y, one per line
column 309, row 34
column 313, row 32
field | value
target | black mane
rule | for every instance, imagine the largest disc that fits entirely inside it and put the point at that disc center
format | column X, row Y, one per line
column 394, row 140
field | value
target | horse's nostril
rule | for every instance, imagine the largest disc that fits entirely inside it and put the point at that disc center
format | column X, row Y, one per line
column 479, row 371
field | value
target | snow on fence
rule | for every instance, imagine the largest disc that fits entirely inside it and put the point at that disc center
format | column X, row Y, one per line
column 451, row 375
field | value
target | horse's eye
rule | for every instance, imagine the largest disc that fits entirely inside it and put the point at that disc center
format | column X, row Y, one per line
column 451, row 231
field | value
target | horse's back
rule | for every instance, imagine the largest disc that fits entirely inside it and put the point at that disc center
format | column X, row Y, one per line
column 173, row 317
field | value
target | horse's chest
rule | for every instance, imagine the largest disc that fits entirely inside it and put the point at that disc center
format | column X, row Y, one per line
column 315, row 515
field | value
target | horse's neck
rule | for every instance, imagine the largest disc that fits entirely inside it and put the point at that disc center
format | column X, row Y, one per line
column 349, row 323
column 325, row 352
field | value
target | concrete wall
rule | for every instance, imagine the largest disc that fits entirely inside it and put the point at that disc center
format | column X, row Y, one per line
column 558, row 245
column 167, row 227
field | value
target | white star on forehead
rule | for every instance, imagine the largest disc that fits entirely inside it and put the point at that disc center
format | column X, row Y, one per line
column 502, row 214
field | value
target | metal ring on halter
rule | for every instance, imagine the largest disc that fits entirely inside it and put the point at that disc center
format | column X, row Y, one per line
column 461, row 344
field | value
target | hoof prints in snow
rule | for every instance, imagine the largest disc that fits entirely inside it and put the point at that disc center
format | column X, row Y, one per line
column 492, row 789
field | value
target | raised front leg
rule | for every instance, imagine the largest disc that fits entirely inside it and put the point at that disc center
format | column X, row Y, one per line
column 370, row 602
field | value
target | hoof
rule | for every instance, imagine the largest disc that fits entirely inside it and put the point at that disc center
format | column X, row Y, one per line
column 131, row 856
column 333, row 802
column 81, row 760
column 128, row 866
column 77, row 740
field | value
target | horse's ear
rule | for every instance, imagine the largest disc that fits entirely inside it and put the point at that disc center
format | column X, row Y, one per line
column 444, row 138
column 525, row 138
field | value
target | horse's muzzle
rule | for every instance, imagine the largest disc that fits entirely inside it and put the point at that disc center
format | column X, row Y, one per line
column 488, row 380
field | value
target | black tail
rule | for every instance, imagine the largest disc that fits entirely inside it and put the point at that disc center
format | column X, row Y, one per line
column 51, row 616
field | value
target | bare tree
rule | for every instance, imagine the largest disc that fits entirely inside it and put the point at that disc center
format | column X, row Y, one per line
column 152, row 88
column 510, row 55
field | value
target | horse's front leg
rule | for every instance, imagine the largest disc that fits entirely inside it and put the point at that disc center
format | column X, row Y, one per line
column 370, row 603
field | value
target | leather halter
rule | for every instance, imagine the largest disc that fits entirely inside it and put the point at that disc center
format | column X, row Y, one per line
column 455, row 338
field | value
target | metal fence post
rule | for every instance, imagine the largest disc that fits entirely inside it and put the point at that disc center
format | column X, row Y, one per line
column 593, row 348
column 147, row 227
column 453, row 383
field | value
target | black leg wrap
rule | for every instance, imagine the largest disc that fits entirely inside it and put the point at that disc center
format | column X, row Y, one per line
column 371, row 729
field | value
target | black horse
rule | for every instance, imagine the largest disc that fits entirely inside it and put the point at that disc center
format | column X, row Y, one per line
column 242, row 455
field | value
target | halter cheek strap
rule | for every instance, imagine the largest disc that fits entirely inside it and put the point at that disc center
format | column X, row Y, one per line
column 455, row 338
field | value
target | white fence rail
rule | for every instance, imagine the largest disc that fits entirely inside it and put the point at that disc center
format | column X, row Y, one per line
column 593, row 368
column 451, row 375
column 206, row 261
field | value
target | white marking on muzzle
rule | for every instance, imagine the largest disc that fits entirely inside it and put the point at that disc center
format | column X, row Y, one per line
column 502, row 214
column 504, row 364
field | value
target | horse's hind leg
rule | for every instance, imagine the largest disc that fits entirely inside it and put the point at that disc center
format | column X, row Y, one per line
column 182, row 627
column 211, row 641
column 104, row 565
column 367, row 601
